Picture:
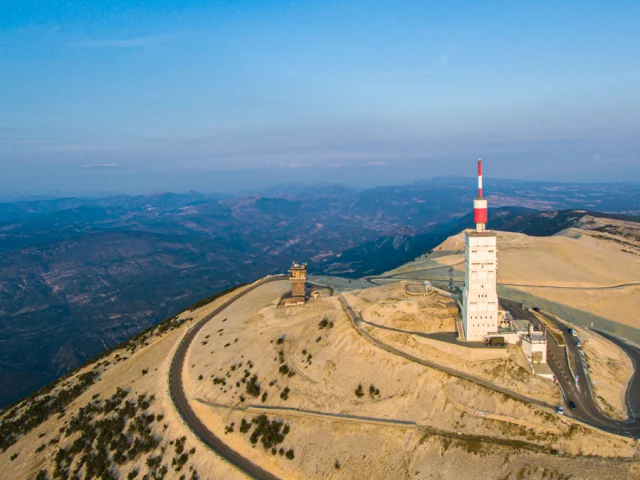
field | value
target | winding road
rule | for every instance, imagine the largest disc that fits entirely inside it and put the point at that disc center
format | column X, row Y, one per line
column 179, row 396
column 580, row 392
column 356, row 321
column 406, row 276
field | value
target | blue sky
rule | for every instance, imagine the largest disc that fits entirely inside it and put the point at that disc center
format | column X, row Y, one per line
column 146, row 96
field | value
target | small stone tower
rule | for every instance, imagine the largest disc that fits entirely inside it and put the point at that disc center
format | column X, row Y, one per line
column 298, row 279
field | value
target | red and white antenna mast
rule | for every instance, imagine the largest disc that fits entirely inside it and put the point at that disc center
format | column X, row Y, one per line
column 480, row 212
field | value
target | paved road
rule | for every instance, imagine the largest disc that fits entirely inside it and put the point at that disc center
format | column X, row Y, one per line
column 179, row 397
column 633, row 392
column 301, row 412
column 356, row 321
column 572, row 287
column 446, row 337
column 398, row 276
column 587, row 409
column 405, row 276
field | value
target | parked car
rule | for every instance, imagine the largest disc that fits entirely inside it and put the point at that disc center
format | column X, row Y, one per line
column 573, row 333
column 572, row 405
column 578, row 344
column 560, row 410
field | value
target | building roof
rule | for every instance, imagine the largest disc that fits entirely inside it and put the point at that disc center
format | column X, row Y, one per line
column 537, row 337
column 522, row 325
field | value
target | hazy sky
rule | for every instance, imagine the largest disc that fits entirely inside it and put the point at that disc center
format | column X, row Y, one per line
column 147, row 96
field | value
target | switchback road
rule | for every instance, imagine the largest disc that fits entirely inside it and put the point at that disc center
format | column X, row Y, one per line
column 587, row 409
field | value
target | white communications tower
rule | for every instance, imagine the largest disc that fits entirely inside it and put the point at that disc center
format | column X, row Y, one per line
column 480, row 297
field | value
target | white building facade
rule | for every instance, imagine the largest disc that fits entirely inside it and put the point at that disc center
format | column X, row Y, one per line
column 480, row 296
column 534, row 347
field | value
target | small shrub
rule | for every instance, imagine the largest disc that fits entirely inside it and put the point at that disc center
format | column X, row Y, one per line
column 154, row 462
column 284, row 369
column 253, row 387
column 284, row 395
column 290, row 455
column 359, row 392
column 244, row 426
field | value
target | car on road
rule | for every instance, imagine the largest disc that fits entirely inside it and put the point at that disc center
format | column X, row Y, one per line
column 578, row 344
column 572, row 405
column 560, row 410
column 572, row 332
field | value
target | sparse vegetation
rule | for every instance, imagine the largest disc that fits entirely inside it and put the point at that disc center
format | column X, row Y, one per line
column 284, row 395
column 107, row 434
column 253, row 387
column 325, row 323
column 373, row 391
column 359, row 392
column 269, row 433
column 40, row 407
column 245, row 426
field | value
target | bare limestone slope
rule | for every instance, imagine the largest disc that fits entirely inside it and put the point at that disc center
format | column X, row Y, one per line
column 347, row 409
column 300, row 392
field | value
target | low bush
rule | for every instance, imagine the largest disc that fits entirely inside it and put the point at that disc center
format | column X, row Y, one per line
column 284, row 395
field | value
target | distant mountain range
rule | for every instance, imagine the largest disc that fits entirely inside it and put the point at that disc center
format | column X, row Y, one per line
column 78, row 275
